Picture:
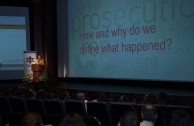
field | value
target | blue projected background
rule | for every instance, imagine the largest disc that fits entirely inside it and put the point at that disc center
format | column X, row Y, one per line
column 128, row 39
column 14, row 40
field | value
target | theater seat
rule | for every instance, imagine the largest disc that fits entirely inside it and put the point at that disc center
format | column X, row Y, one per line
column 118, row 109
column 5, row 105
column 55, row 111
column 35, row 105
column 54, row 107
column 75, row 106
column 101, row 111
column 18, row 105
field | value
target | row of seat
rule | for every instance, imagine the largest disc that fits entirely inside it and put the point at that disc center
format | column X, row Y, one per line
column 108, row 114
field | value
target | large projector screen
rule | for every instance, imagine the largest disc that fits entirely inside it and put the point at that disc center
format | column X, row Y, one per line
column 14, row 40
column 126, row 39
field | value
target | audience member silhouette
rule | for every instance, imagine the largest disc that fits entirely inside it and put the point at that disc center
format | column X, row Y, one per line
column 92, row 121
column 149, row 115
column 72, row 119
column 163, row 98
column 64, row 95
column 80, row 96
column 128, row 119
column 139, row 98
column 180, row 118
column 150, row 99
column 41, row 94
column 101, row 97
column 32, row 119
column 129, row 98
column 113, row 97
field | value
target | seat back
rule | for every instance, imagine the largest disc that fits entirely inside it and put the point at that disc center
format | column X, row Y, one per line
column 54, row 107
column 12, row 110
column 118, row 109
column 101, row 111
column 5, row 105
column 75, row 106
column 18, row 105
column 55, row 111
column 35, row 105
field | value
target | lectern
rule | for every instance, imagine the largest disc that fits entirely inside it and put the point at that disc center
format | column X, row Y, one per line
column 37, row 71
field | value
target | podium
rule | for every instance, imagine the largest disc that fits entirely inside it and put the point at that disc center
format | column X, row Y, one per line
column 37, row 71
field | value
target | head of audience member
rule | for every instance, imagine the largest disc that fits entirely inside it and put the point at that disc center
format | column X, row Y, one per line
column 33, row 92
column 129, row 98
column 80, row 96
column 150, row 99
column 121, row 98
column 180, row 118
column 92, row 96
column 32, row 119
column 64, row 95
column 102, row 97
column 149, row 113
column 41, row 94
column 72, row 119
column 50, row 95
column 139, row 98
column 21, row 91
column 6, row 92
column 163, row 98
column 128, row 119
column 113, row 97
column 92, row 121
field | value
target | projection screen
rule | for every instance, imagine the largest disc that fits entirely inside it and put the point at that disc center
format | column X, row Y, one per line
column 126, row 39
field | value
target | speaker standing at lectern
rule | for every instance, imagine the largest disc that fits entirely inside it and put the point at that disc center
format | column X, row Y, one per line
column 37, row 69
column 39, row 60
